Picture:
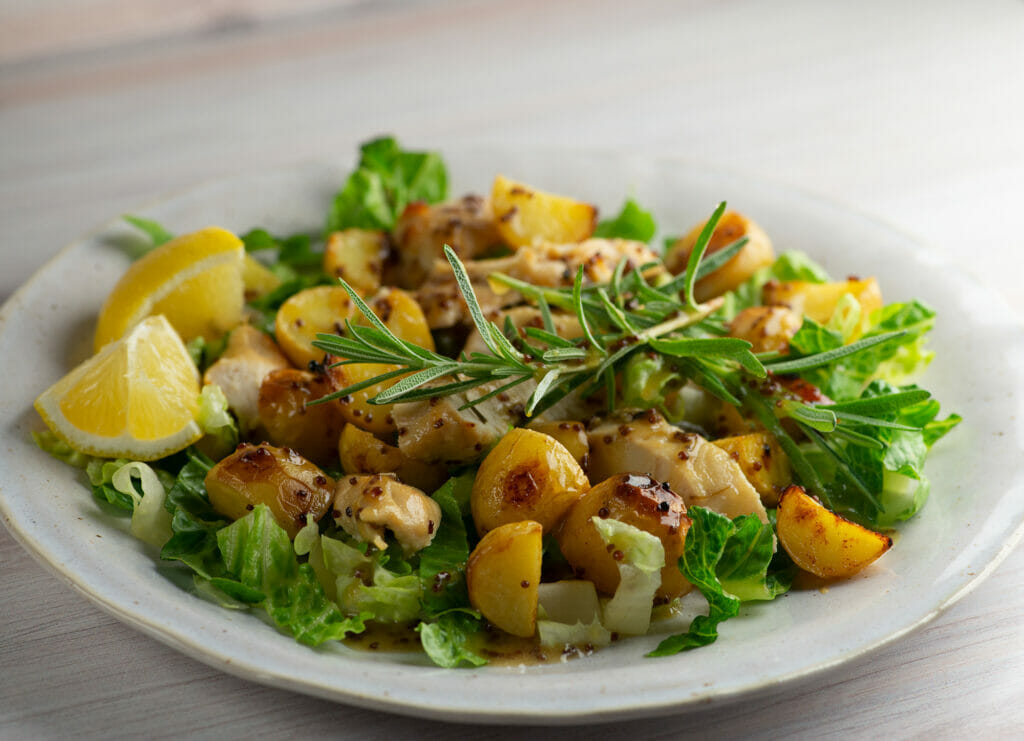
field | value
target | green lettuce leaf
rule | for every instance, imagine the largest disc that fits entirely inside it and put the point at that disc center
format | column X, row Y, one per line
column 259, row 554
column 157, row 234
column 387, row 179
column 446, row 639
column 719, row 548
column 220, row 428
column 443, row 562
column 632, row 222
column 194, row 522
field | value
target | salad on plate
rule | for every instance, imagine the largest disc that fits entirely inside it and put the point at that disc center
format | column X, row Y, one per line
column 498, row 428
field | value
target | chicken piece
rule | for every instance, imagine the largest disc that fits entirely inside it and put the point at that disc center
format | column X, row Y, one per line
column 466, row 225
column 542, row 265
column 366, row 507
column 436, row 431
column 566, row 325
column 702, row 474
column 249, row 356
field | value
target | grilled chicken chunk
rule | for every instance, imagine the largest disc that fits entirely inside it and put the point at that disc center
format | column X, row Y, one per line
column 436, row 431
column 701, row 473
column 541, row 265
column 249, row 356
column 367, row 506
column 466, row 225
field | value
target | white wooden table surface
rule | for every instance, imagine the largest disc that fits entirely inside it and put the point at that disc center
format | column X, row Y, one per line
column 911, row 111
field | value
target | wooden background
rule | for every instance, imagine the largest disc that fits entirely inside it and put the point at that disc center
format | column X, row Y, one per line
column 911, row 111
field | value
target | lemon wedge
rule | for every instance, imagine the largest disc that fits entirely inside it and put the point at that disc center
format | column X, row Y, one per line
column 195, row 280
column 137, row 398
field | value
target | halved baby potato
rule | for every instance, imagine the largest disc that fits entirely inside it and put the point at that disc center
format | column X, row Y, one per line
column 755, row 254
column 361, row 452
column 356, row 256
column 819, row 300
column 526, row 216
column 503, row 575
column 322, row 309
column 822, row 542
column 526, row 476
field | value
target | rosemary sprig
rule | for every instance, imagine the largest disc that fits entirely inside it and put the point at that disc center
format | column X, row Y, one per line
column 638, row 310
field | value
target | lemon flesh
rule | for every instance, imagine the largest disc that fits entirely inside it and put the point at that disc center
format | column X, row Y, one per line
column 195, row 280
column 137, row 398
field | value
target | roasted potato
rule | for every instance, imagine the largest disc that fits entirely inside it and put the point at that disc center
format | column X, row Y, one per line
column 289, row 422
column 280, row 478
column 573, row 435
column 637, row 500
column 361, row 452
column 503, row 574
column 257, row 278
column 755, row 254
column 822, row 542
column 322, row 309
column 528, row 216
column 526, row 476
column 767, row 328
column 357, row 256
column 819, row 300
column 763, row 461
column 403, row 316
column 367, row 506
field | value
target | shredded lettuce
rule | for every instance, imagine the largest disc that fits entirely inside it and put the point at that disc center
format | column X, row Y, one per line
column 151, row 523
column 569, row 613
column 446, row 638
column 259, row 554
column 643, row 557
column 632, row 222
column 220, row 428
column 737, row 551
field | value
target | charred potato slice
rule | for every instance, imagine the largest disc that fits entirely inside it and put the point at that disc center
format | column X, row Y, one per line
column 526, row 476
column 637, row 500
column 756, row 254
column 525, row 215
column 322, row 309
column 822, row 542
column 280, row 478
column 573, row 435
column 257, row 278
column 763, row 461
column 291, row 422
column 503, row 574
column 361, row 452
column 357, row 256
column 767, row 328
column 403, row 316
column 819, row 300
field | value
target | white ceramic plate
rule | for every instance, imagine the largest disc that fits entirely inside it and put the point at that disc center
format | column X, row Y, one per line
column 973, row 520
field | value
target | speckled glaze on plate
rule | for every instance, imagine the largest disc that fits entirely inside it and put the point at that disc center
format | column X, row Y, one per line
column 973, row 520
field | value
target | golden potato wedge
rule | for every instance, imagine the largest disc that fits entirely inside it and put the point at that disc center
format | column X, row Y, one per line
column 822, row 542
column 280, row 478
column 503, row 574
column 307, row 313
column 767, row 328
column 637, row 500
column 571, row 434
column 819, row 300
column 763, row 462
column 403, row 316
column 526, row 476
column 257, row 278
column 289, row 422
column 357, row 256
column 756, row 254
column 525, row 215
column 361, row 452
